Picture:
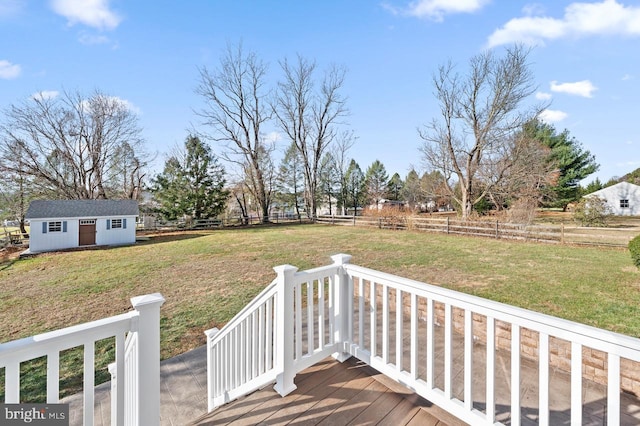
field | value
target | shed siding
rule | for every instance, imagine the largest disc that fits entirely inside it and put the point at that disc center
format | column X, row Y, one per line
column 115, row 236
column 40, row 241
column 48, row 241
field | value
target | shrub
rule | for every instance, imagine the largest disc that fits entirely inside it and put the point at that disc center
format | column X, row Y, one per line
column 592, row 211
column 523, row 211
column 634, row 249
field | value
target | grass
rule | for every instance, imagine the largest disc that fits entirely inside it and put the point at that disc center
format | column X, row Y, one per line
column 207, row 276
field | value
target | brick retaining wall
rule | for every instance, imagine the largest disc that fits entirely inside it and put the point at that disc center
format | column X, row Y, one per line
column 594, row 362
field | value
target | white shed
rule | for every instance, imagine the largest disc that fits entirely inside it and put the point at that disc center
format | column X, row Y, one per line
column 64, row 224
column 623, row 198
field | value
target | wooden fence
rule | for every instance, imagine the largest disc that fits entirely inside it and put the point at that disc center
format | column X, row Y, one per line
column 615, row 237
column 8, row 238
column 218, row 223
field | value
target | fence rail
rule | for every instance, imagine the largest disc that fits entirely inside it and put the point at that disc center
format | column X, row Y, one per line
column 384, row 299
column 218, row 223
column 8, row 238
column 562, row 234
column 135, row 372
column 288, row 327
column 445, row 345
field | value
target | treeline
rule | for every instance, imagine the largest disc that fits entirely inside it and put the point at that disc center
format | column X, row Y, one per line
column 486, row 150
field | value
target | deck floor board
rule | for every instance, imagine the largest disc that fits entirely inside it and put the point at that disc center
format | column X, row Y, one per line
column 335, row 394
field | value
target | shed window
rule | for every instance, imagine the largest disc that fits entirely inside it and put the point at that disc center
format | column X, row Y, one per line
column 624, row 204
column 116, row 223
column 55, row 226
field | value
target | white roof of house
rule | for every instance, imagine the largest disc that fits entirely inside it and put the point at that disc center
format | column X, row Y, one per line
column 620, row 187
column 47, row 209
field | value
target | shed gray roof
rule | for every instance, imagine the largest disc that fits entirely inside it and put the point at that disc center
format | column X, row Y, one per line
column 46, row 209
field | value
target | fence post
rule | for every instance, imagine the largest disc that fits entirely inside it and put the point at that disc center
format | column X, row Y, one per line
column 562, row 233
column 497, row 230
column 284, row 330
column 343, row 305
column 447, row 224
column 148, row 398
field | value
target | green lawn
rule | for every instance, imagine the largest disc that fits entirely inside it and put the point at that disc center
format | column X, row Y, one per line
column 208, row 276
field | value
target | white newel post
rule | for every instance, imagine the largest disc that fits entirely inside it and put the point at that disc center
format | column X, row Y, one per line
column 284, row 330
column 342, row 332
column 148, row 398
column 211, row 368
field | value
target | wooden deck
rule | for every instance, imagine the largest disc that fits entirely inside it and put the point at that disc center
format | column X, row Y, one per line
column 331, row 393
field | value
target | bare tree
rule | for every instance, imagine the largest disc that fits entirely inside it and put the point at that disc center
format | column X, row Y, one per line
column 341, row 147
column 525, row 182
column 236, row 108
column 479, row 114
column 69, row 145
column 126, row 176
column 240, row 194
column 309, row 117
column 15, row 194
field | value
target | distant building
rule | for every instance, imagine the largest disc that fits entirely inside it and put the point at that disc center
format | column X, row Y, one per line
column 64, row 224
column 623, row 199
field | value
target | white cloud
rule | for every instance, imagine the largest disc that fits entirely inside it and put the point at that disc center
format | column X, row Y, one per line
column 607, row 17
column 89, row 39
column 45, row 94
column 272, row 137
column 128, row 105
column 9, row 70
column 533, row 9
column 93, row 13
column 627, row 77
column 85, row 104
column 542, row 96
column 552, row 116
column 582, row 88
column 437, row 9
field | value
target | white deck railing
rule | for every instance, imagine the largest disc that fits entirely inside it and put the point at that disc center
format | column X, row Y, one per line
column 474, row 313
column 288, row 327
column 409, row 331
column 138, row 364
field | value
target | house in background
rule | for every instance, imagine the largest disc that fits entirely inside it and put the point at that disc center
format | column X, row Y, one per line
column 623, row 198
column 64, row 224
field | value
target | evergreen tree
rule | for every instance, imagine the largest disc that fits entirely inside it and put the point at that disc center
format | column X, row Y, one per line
column 376, row 182
column 411, row 191
column 291, row 180
column 355, row 186
column 395, row 187
column 329, row 181
column 191, row 184
column 571, row 162
column 593, row 186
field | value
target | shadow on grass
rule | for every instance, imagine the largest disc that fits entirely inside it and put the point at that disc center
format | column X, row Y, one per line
column 6, row 264
column 152, row 237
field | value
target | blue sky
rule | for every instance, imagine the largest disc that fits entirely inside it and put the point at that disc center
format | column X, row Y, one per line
column 586, row 60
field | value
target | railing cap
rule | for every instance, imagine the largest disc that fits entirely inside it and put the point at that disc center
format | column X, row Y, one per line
column 283, row 269
column 341, row 258
column 211, row 332
column 147, row 301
